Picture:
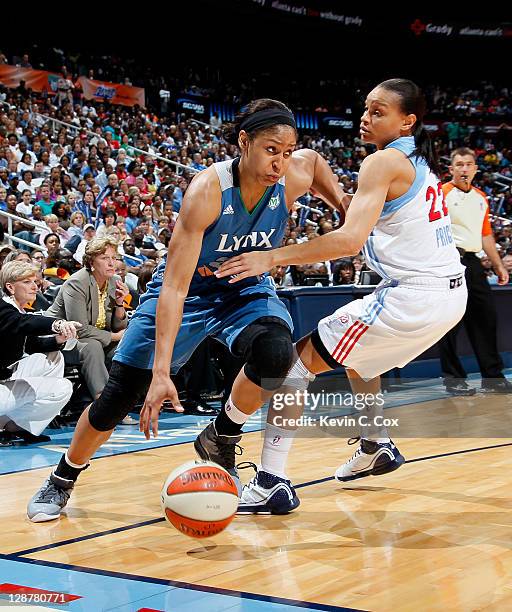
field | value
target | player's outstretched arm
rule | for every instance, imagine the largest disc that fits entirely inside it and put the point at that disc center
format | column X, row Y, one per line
column 200, row 208
column 376, row 174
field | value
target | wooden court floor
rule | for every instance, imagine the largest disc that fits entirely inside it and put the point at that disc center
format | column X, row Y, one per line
column 434, row 535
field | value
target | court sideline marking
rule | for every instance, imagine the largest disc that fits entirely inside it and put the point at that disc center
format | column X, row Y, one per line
column 186, row 585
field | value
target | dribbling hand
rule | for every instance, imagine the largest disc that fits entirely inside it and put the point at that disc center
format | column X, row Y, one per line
column 161, row 389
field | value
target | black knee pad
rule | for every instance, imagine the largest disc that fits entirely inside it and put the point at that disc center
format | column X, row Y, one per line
column 269, row 352
column 126, row 386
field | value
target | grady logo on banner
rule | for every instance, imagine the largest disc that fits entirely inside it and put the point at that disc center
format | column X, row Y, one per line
column 418, row 27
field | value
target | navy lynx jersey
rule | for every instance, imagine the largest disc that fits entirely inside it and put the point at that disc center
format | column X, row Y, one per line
column 235, row 231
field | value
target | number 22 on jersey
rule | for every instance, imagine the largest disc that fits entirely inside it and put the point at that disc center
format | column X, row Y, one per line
column 435, row 214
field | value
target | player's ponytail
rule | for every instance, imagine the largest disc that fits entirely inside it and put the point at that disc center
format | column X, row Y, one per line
column 413, row 102
column 253, row 121
column 424, row 147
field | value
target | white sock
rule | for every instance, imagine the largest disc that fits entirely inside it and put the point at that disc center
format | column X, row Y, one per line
column 276, row 447
column 235, row 415
column 74, row 465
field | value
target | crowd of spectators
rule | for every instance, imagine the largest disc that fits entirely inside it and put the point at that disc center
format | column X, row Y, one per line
column 313, row 92
column 115, row 175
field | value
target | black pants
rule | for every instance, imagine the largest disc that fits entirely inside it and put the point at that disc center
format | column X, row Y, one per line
column 200, row 374
column 480, row 322
column 196, row 375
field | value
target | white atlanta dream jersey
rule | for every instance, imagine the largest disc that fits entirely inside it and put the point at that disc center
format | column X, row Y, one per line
column 413, row 235
column 423, row 294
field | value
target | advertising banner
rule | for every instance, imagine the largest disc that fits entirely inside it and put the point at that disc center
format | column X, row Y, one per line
column 115, row 93
column 37, row 80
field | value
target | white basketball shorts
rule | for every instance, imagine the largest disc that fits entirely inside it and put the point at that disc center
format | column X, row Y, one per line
column 392, row 325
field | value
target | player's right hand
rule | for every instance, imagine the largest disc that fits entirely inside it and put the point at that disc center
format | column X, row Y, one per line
column 162, row 388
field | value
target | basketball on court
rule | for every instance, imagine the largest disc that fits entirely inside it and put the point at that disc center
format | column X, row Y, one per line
column 199, row 498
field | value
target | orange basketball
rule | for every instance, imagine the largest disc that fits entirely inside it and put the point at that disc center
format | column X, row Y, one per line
column 199, row 498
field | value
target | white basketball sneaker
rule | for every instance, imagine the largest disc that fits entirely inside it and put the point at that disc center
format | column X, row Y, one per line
column 370, row 459
column 267, row 494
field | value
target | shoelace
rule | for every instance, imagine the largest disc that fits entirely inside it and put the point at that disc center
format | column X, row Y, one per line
column 249, row 464
column 228, row 453
column 246, row 464
column 50, row 492
column 358, row 451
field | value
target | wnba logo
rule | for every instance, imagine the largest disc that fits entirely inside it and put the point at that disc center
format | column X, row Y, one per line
column 276, row 440
column 344, row 318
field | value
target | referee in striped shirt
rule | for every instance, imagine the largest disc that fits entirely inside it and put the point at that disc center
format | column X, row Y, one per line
column 471, row 228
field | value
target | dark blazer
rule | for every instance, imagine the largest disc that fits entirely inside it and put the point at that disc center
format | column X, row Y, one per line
column 19, row 334
column 78, row 301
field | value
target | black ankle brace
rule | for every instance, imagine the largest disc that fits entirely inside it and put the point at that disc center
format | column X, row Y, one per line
column 64, row 470
column 225, row 426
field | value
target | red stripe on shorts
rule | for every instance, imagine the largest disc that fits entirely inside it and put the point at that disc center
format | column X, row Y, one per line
column 346, row 338
column 349, row 346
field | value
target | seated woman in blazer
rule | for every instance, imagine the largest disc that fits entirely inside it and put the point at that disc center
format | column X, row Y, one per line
column 94, row 297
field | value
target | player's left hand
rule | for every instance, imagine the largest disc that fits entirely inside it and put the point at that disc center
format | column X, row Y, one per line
column 503, row 276
column 246, row 265
column 161, row 388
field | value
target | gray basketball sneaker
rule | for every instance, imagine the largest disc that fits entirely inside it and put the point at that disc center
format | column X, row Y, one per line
column 211, row 446
column 48, row 503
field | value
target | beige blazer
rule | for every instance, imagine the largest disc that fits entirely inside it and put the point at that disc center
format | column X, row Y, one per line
column 77, row 300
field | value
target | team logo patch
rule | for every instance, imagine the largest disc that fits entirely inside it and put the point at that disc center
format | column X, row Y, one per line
column 344, row 318
column 276, row 440
column 274, row 202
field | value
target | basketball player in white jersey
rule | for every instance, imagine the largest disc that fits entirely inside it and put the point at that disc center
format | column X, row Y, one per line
column 398, row 216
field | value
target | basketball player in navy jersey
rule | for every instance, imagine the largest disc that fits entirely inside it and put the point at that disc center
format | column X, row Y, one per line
column 398, row 216
column 232, row 207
